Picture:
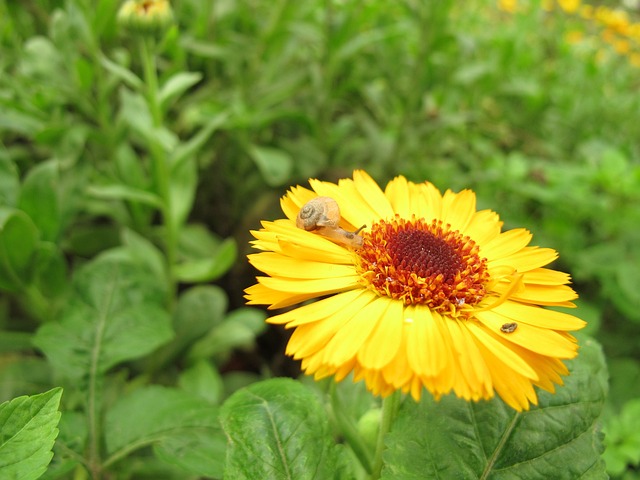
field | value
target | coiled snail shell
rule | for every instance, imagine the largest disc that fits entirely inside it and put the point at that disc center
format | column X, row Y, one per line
column 322, row 216
column 319, row 212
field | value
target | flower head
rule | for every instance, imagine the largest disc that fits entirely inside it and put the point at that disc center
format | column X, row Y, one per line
column 430, row 294
column 146, row 16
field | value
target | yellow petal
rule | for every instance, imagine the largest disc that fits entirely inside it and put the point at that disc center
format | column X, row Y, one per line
column 526, row 259
column 539, row 317
column 274, row 264
column 317, row 310
column 458, row 208
column 397, row 191
column 483, row 227
column 507, row 243
column 317, row 287
column 371, row 192
column 383, row 343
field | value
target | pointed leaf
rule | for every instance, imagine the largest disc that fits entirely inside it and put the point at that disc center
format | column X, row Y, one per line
column 176, row 85
column 124, row 192
column 208, row 268
column 293, row 430
column 28, row 429
column 39, row 199
column 274, row 164
column 454, row 438
column 116, row 313
column 18, row 241
column 182, row 426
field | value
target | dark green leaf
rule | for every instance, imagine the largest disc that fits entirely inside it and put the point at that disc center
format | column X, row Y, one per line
column 239, row 330
column 199, row 309
column 18, row 241
column 184, row 429
column 9, row 181
column 295, row 439
column 39, row 199
column 116, row 313
column 28, row 429
column 453, row 438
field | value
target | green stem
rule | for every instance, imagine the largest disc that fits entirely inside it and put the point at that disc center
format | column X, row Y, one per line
column 349, row 431
column 389, row 410
column 161, row 171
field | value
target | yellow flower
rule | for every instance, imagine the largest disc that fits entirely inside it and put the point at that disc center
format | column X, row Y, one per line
column 569, row 6
column 509, row 6
column 430, row 293
column 145, row 16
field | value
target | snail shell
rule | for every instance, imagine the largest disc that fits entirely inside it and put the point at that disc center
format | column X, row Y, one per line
column 319, row 212
column 322, row 216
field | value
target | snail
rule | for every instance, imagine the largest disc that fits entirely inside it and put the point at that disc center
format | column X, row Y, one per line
column 321, row 215
column 509, row 327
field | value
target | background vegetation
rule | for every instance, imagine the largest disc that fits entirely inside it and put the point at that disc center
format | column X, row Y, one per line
column 111, row 176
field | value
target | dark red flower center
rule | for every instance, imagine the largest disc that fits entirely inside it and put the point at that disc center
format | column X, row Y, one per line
column 423, row 263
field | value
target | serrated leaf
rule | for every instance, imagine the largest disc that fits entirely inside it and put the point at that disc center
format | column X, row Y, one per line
column 28, row 429
column 115, row 313
column 293, row 428
column 176, row 85
column 274, row 164
column 182, row 426
column 453, row 438
column 18, row 241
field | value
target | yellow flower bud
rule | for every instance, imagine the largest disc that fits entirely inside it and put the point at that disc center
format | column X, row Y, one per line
column 146, row 16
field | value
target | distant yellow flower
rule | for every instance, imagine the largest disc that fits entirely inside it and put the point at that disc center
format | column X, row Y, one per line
column 146, row 16
column 569, row 6
column 431, row 293
column 509, row 6
column 574, row 36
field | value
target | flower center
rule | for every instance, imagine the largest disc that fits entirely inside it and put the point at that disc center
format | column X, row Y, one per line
column 423, row 263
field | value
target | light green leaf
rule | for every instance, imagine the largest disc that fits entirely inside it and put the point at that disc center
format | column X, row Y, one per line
column 145, row 252
column 453, row 438
column 115, row 313
column 182, row 190
column 18, row 241
column 176, row 85
column 183, row 428
column 210, row 267
column 294, row 435
column 202, row 379
column 124, row 74
column 125, row 192
column 28, row 429
column 274, row 164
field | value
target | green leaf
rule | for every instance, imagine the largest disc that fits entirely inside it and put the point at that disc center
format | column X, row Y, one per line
column 295, row 439
column 18, row 241
column 39, row 199
column 115, row 313
column 50, row 270
column 182, row 190
column 183, row 428
column 124, row 74
column 145, row 252
column 28, row 429
column 238, row 330
column 453, row 438
column 203, row 380
column 124, row 192
column 187, row 150
column 623, row 439
column 209, row 268
column 9, row 181
column 275, row 165
column 176, row 85
column 199, row 309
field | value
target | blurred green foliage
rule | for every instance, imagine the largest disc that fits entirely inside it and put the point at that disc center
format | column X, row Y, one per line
column 110, row 174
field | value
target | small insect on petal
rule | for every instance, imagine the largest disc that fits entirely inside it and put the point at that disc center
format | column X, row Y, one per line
column 509, row 327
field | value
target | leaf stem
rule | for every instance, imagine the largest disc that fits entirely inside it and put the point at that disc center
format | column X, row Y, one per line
column 389, row 410
column 349, row 431
column 161, row 169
